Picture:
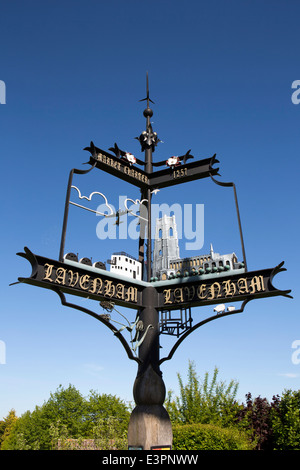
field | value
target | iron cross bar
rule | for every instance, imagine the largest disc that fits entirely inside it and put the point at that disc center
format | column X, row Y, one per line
column 177, row 174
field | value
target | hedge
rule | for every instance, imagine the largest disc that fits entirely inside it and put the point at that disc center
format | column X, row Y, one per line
column 209, row 437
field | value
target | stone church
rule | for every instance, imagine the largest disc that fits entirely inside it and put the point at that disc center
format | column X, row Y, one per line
column 166, row 257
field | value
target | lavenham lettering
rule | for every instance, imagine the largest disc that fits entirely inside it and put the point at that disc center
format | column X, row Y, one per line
column 257, row 284
column 73, row 279
column 131, row 294
column 229, row 288
column 167, row 296
column 197, row 293
column 60, row 276
column 178, row 295
column 88, row 283
column 84, row 282
column 215, row 291
column 109, row 289
column 96, row 286
column 120, row 294
column 189, row 292
column 201, row 291
column 242, row 286
column 48, row 272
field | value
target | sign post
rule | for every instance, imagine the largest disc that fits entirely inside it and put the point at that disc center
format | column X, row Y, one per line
column 150, row 426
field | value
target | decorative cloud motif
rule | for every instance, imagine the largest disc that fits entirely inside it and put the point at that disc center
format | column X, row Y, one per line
column 89, row 198
column 135, row 202
column 112, row 212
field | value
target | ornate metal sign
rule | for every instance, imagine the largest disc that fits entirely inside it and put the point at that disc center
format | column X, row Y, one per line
column 175, row 174
column 97, row 284
column 155, row 301
column 83, row 281
column 212, row 289
column 119, row 167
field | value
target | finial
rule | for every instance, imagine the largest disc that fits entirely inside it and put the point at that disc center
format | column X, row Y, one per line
column 148, row 139
column 148, row 111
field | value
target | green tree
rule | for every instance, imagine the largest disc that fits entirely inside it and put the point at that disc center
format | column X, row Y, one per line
column 103, row 407
column 286, row 422
column 7, row 426
column 67, row 415
column 2, row 429
column 109, row 434
column 68, row 407
column 203, row 402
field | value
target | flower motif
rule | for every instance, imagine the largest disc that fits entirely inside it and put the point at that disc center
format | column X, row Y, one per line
column 130, row 158
column 173, row 161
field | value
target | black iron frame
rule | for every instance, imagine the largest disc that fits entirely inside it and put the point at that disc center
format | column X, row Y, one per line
column 148, row 180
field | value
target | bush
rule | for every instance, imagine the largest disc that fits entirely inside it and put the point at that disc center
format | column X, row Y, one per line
column 209, row 437
column 205, row 402
column 286, row 422
column 256, row 416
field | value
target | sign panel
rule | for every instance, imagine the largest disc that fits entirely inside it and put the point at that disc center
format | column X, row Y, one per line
column 218, row 289
column 83, row 281
column 98, row 284
column 120, row 168
column 183, row 173
column 158, row 179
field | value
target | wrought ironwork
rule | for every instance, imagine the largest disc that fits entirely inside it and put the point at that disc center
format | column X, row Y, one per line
column 198, row 325
column 87, row 280
column 175, row 326
column 231, row 184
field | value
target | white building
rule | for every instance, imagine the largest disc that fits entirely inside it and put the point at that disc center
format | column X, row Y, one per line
column 126, row 265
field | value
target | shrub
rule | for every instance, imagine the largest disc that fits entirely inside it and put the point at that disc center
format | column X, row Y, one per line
column 286, row 422
column 206, row 402
column 256, row 416
column 209, row 437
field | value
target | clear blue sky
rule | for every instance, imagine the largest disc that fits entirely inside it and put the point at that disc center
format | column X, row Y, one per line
column 220, row 76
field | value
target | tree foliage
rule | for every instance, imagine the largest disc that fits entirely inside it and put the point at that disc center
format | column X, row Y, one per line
column 6, row 427
column 68, row 415
column 256, row 416
column 205, row 415
column 209, row 437
column 286, row 422
column 268, row 425
column 207, row 401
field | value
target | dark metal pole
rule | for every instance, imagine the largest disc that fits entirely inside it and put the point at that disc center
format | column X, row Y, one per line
column 150, row 424
column 149, row 349
column 67, row 203
column 148, row 162
column 66, row 213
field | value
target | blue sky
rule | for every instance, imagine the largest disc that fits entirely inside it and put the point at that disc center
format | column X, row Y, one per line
column 220, row 75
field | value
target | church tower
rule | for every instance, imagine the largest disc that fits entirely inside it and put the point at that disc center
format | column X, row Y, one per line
column 166, row 246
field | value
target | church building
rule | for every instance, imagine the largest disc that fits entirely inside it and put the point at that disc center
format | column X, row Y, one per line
column 166, row 258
